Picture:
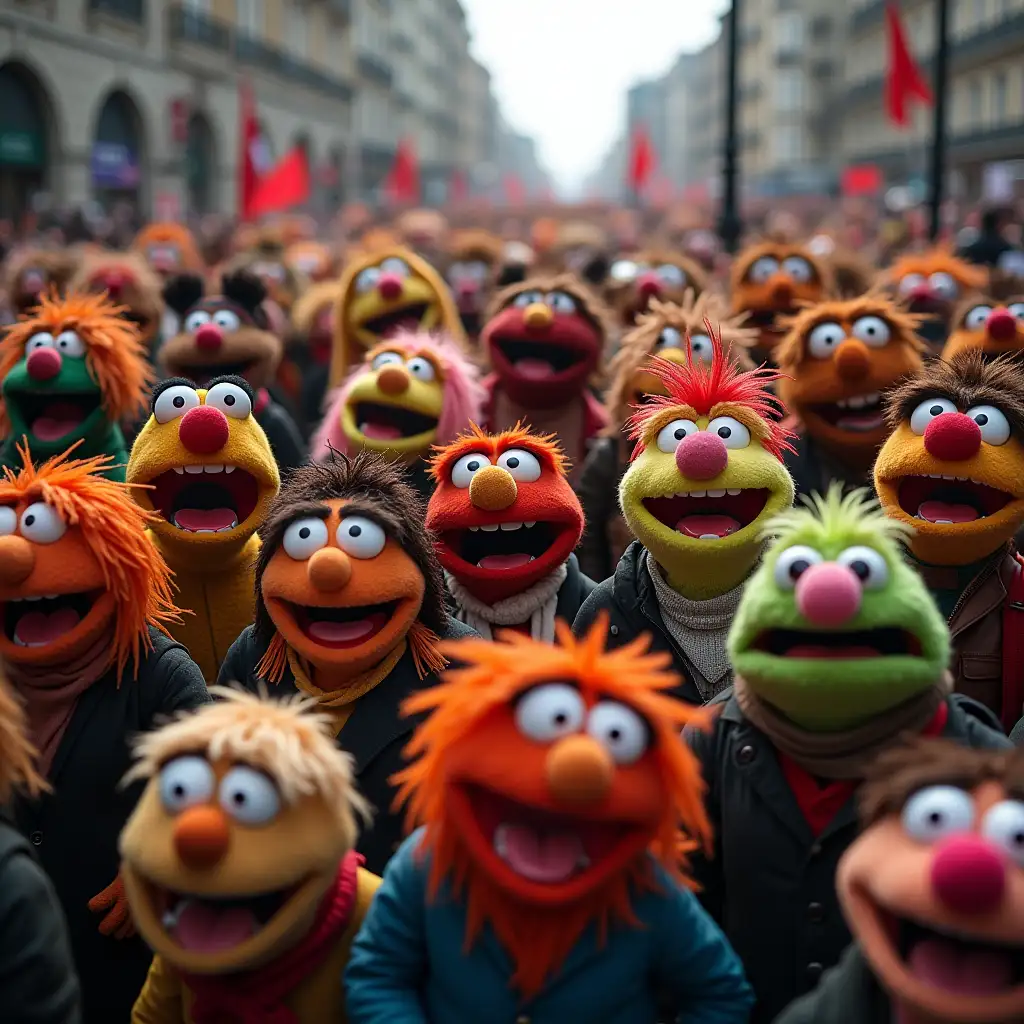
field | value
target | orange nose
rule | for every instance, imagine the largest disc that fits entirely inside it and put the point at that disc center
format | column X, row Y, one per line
column 579, row 770
column 202, row 836
column 17, row 560
column 852, row 359
column 538, row 316
column 393, row 380
column 782, row 292
column 329, row 570
column 492, row 489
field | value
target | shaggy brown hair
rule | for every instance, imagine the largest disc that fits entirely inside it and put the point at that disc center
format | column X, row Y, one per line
column 966, row 380
column 476, row 244
column 696, row 278
column 780, row 250
column 590, row 305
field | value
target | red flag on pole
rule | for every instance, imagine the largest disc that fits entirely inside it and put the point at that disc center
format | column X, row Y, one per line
column 904, row 82
column 642, row 159
column 403, row 183
column 248, row 169
column 283, row 186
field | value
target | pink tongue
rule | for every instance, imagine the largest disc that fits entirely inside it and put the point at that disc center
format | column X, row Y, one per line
column 503, row 561
column 535, row 369
column 703, row 526
column 57, row 421
column 947, row 966
column 339, row 632
column 541, row 856
column 831, row 653
column 193, row 519
column 933, row 511
column 40, row 628
column 380, row 431
column 205, row 929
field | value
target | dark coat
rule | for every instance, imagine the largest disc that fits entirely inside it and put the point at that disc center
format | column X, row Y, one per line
column 606, row 535
column 76, row 828
column 285, row 440
column 848, row 994
column 38, row 984
column 770, row 884
column 374, row 735
column 813, row 468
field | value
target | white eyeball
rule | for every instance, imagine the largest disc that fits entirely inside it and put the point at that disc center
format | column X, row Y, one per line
column 422, row 369
column 547, row 712
column 867, row 565
column 230, row 399
column 44, row 339
column 8, row 520
column 1004, row 826
column 976, row 317
column 196, row 320
column 702, row 348
column 386, row 359
column 733, row 433
column 170, row 324
column 763, row 269
column 793, row 563
column 522, row 465
column 937, row 812
column 394, row 265
column 798, row 269
column 669, row 338
column 467, row 467
column 672, row 433
column 872, row 330
column 620, row 730
column 41, row 524
column 561, row 303
column 944, row 284
column 366, row 280
column 1017, row 310
column 524, row 299
column 68, row 343
column 304, row 537
column 623, row 271
column 360, row 537
column 476, row 269
column 671, row 275
column 995, row 427
column 910, row 282
column 227, row 320
column 174, row 402
column 927, row 411
column 249, row 796
column 824, row 339
column 185, row 782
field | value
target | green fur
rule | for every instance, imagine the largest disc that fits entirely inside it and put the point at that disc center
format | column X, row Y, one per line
column 829, row 694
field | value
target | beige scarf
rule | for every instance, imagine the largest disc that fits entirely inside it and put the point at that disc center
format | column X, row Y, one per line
column 845, row 754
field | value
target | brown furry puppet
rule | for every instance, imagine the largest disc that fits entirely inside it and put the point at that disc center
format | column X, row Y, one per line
column 993, row 322
column 424, row 232
column 315, row 261
column 266, row 260
column 580, row 248
column 475, row 258
column 635, row 281
column 31, row 273
column 169, row 249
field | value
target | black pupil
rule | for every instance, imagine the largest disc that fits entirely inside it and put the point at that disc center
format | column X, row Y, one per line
column 229, row 399
column 1018, row 838
column 473, row 466
column 935, row 818
column 238, row 797
column 799, row 567
column 304, row 533
column 179, row 790
column 725, row 431
column 936, row 410
column 615, row 734
column 561, row 718
column 29, row 520
column 680, row 433
column 981, row 419
column 355, row 531
column 513, row 463
column 177, row 402
column 861, row 569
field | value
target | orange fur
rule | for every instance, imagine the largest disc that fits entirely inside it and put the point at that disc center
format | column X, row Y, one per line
column 939, row 260
column 544, row 446
column 171, row 234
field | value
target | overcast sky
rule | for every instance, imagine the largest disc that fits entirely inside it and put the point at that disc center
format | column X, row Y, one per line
column 561, row 67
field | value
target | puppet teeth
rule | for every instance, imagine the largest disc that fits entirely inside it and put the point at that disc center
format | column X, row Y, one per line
column 530, row 524
column 946, row 476
column 710, row 536
column 693, row 494
column 499, row 842
column 489, row 527
column 179, row 470
column 230, row 469
column 509, row 527
column 34, row 597
column 718, row 492
column 194, row 470
column 213, row 469
column 734, row 491
column 474, row 529
column 170, row 918
column 858, row 402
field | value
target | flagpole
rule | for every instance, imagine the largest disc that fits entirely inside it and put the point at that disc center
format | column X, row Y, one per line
column 938, row 161
column 729, row 226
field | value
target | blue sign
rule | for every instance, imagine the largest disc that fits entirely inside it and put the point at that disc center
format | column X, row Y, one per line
column 114, row 166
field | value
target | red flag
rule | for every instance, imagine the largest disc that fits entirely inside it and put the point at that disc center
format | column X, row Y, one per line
column 248, row 171
column 903, row 80
column 403, row 183
column 642, row 159
column 515, row 190
column 458, row 187
column 283, row 186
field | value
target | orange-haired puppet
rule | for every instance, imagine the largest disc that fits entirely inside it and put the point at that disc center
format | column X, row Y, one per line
column 506, row 523
column 546, row 882
column 72, row 370
column 993, row 322
column 169, row 249
column 86, row 602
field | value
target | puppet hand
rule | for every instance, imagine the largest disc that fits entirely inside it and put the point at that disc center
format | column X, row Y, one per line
column 112, row 903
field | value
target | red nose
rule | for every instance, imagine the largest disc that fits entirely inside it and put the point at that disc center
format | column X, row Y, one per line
column 921, row 293
column 968, row 875
column 209, row 337
column 112, row 283
column 828, row 595
column 1001, row 325
column 701, row 456
column 389, row 286
column 952, row 437
column 468, row 289
column 43, row 364
column 649, row 286
column 203, row 430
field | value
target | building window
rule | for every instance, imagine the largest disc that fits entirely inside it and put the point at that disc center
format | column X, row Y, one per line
column 999, row 97
column 297, row 29
column 789, row 32
column 789, row 90
column 788, row 143
column 250, row 18
column 975, row 101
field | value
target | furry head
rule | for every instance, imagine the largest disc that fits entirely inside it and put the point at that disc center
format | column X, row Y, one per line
column 265, row 259
column 29, row 274
column 127, row 280
column 474, row 260
column 995, row 325
column 315, row 261
column 169, row 249
column 313, row 320
column 652, row 274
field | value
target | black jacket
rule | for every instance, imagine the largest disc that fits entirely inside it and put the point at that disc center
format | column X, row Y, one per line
column 848, row 994
column 285, row 440
column 598, row 492
column 374, row 735
column 770, row 884
column 986, row 250
column 813, row 469
column 38, row 984
column 76, row 828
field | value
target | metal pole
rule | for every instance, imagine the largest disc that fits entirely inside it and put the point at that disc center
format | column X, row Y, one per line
column 938, row 161
column 729, row 226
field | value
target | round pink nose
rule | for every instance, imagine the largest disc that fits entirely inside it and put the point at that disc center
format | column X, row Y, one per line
column 1001, row 325
column 209, row 337
column 389, row 286
column 43, row 363
column 649, row 285
column 922, row 293
column 701, row 456
column 968, row 875
column 828, row 595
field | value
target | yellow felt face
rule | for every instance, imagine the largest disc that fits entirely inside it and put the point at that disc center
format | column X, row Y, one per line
column 210, row 472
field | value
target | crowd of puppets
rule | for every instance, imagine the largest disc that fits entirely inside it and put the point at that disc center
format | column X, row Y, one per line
column 454, row 631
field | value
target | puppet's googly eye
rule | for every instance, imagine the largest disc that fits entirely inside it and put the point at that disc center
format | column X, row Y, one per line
column 824, row 339
column 360, row 537
column 872, row 330
column 671, row 275
column 910, row 282
column 995, row 427
column 467, row 467
column 793, row 563
column 249, row 796
column 702, row 348
column 732, row 433
column 41, row 340
column 623, row 271
column 1017, row 309
column 394, row 265
column 867, row 565
column 41, row 524
column 8, row 520
column 620, row 730
column 672, row 433
column 1004, row 826
column 457, row 271
column 560, row 302
column 422, row 369
column 762, row 269
column 548, row 712
column 226, row 320
column 976, row 317
column 68, row 343
column 927, row 411
column 386, row 359
column 798, row 269
column 185, row 782
column 530, row 298
column 477, row 270
column 366, row 280
column 231, row 399
column 173, row 402
column 522, row 465
column 669, row 338
column 304, row 537
column 936, row 812
column 944, row 285
column 196, row 320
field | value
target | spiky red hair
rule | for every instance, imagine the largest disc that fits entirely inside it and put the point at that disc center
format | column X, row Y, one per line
column 544, row 446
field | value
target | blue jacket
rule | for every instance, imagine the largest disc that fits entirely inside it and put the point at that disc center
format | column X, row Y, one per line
column 407, row 965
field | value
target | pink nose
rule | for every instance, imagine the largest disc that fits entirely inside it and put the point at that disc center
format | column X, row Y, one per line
column 468, row 289
column 1001, row 325
column 389, row 286
column 921, row 293
column 209, row 337
column 701, row 456
column 43, row 364
column 952, row 437
column 968, row 875
column 649, row 286
column 828, row 595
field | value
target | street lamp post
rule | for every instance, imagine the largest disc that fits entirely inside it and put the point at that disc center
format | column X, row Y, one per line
column 729, row 226
column 938, row 155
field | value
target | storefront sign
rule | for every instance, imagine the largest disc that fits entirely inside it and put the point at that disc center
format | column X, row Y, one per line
column 21, row 149
column 114, row 166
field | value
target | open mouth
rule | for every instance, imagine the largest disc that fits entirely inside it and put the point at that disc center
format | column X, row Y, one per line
column 711, row 514
column 38, row 621
column 950, row 500
column 538, row 360
column 55, row 417
column 205, row 499
column 502, row 546
column 885, row 641
column 342, row 627
column 857, row 414
column 391, row 422
column 766, row 318
column 202, row 375
column 403, row 318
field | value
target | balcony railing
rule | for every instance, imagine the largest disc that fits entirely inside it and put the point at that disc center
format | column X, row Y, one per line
column 191, row 26
column 127, row 10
